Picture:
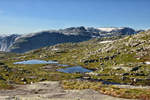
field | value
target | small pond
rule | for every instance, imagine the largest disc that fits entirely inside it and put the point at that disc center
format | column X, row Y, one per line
column 74, row 69
column 36, row 62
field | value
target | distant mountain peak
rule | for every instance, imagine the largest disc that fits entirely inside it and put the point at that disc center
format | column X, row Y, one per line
column 26, row 42
column 109, row 29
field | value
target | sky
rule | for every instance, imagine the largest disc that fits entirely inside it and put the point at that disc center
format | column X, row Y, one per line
column 26, row 16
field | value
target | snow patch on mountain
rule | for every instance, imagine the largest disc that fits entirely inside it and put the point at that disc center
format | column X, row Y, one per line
column 109, row 29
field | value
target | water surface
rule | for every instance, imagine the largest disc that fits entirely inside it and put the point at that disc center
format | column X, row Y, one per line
column 34, row 61
column 74, row 69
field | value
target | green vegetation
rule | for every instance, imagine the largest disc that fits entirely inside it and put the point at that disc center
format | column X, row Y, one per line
column 26, row 74
column 120, row 61
column 143, row 94
column 81, row 85
column 110, row 60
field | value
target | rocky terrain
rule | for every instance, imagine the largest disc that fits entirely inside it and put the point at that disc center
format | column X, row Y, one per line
column 51, row 91
column 23, row 43
column 123, row 61
column 7, row 41
column 120, row 68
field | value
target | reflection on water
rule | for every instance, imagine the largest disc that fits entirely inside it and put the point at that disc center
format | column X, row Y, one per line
column 36, row 62
column 74, row 69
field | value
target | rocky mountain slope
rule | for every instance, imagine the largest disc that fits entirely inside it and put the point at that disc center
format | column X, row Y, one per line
column 124, row 60
column 7, row 41
column 121, row 66
column 23, row 43
column 118, row 61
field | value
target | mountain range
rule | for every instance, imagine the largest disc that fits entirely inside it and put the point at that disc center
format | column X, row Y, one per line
column 120, row 62
column 22, row 43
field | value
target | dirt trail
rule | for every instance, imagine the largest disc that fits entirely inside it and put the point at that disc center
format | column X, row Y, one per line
column 50, row 90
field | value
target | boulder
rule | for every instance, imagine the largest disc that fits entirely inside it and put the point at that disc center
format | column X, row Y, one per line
column 125, row 74
column 135, row 68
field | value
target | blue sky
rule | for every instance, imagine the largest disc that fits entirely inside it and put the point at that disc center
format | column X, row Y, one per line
column 25, row 16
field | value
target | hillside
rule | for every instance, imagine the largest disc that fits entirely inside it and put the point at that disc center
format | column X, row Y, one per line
column 122, row 60
column 31, row 41
column 120, row 65
column 6, row 41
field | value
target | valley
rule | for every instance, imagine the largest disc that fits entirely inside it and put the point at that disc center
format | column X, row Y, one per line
column 120, row 66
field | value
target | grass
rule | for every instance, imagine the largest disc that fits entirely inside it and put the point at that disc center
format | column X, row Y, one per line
column 26, row 74
column 75, row 54
column 143, row 94
column 81, row 85
column 125, row 93
column 4, row 85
